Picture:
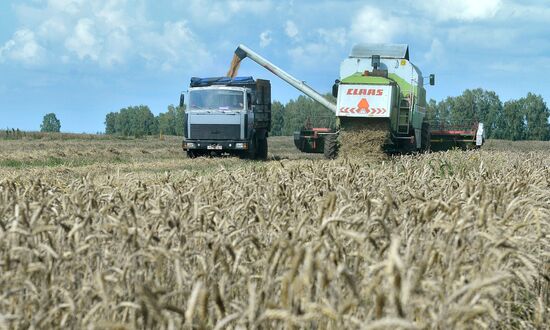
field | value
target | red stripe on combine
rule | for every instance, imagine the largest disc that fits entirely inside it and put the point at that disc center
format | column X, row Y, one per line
column 451, row 132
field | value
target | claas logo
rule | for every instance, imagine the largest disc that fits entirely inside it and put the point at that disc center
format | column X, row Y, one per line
column 365, row 91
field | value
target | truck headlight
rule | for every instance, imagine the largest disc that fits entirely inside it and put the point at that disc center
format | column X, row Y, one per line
column 190, row 145
column 241, row 145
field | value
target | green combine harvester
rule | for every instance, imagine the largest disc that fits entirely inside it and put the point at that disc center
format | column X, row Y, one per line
column 380, row 94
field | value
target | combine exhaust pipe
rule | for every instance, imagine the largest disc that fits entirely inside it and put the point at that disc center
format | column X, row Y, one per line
column 242, row 51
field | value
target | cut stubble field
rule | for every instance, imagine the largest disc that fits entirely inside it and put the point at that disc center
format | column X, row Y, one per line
column 112, row 233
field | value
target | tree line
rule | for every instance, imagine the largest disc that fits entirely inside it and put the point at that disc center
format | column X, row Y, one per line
column 522, row 119
column 139, row 121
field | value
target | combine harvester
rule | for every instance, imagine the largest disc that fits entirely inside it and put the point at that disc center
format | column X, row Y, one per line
column 381, row 104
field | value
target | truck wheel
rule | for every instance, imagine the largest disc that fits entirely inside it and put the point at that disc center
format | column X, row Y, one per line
column 262, row 149
column 191, row 154
column 426, row 137
column 252, row 152
column 331, row 146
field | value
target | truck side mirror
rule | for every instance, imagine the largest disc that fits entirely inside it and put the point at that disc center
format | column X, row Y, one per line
column 432, row 79
column 182, row 100
column 335, row 88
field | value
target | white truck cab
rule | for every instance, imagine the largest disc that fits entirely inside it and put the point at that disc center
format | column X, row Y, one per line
column 227, row 116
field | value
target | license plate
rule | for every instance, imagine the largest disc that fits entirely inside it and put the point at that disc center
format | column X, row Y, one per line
column 214, row 147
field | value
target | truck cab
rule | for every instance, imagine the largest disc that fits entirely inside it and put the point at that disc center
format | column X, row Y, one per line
column 227, row 116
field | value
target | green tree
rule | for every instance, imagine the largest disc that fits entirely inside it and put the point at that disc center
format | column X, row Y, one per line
column 111, row 122
column 432, row 113
column 179, row 120
column 514, row 125
column 134, row 120
column 171, row 121
column 50, row 123
column 277, row 118
column 536, row 117
column 476, row 105
column 142, row 121
column 167, row 121
column 443, row 110
column 305, row 111
column 472, row 106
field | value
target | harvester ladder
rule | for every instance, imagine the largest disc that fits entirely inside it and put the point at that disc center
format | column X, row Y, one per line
column 403, row 120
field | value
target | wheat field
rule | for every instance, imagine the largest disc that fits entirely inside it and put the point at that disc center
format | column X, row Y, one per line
column 130, row 234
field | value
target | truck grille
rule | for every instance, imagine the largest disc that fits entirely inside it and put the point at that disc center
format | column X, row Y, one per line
column 215, row 132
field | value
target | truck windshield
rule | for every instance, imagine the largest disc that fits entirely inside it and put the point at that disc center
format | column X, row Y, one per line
column 219, row 99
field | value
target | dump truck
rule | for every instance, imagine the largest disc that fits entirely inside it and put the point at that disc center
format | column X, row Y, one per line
column 381, row 94
column 227, row 116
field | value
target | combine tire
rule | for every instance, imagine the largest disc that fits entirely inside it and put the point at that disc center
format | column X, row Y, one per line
column 426, row 137
column 331, row 146
column 262, row 149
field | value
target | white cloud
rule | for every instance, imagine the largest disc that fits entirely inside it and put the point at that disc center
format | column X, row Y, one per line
column 52, row 29
column 114, row 16
column 258, row 6
column 224, row 11
column 83, row 41
column 176, row 46
column 111, row 33
column 525, row 11
column 324, row 47
column 71, row 7
column 508, row 67
column 265, row 38
column 374, row 25
column 291, row 29
column 436, row 53
column 475, row 37
column 118, row 45
column 463, row 10
column 337, row 36
column 23, row 48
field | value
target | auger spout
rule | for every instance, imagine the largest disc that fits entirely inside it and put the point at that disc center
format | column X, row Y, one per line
column 242, row 52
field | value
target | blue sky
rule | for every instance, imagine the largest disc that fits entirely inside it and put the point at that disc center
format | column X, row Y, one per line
column 82, row 59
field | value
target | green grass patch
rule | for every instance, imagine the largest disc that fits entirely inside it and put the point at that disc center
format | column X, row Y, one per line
column 56, row 162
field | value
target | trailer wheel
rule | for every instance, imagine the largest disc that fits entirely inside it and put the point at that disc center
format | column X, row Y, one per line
column 426, row 137
column 331, row 146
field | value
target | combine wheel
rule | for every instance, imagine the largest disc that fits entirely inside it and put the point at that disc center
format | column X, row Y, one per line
column 331, row 146
column 426, row 137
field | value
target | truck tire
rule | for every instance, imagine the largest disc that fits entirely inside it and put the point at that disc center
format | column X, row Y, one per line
column 252, row 151
column 331, row 146
column 191, row 154
column 262, row 149
column 426, row 137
